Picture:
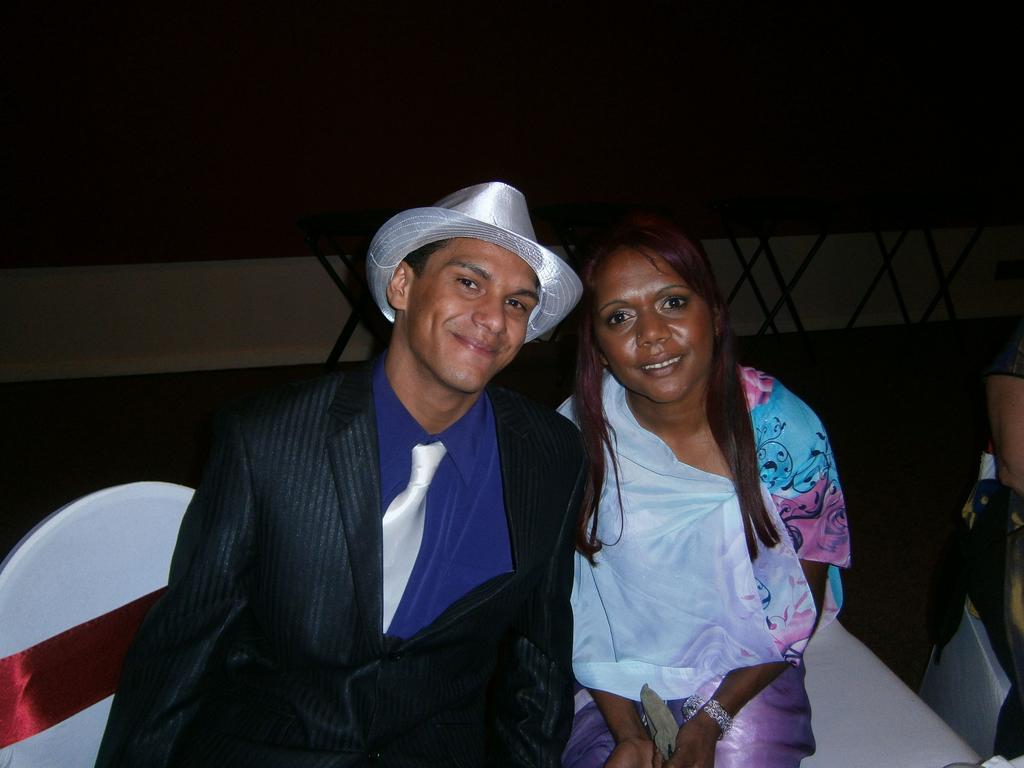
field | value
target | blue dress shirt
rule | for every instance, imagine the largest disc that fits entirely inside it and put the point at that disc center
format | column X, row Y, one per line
column 465, row 530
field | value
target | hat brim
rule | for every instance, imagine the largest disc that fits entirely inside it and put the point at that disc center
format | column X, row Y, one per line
column 560, row 288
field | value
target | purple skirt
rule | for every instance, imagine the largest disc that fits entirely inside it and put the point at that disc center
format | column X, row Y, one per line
column 772, row 731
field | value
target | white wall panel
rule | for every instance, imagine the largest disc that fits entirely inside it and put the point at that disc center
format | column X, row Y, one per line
column 146, row 318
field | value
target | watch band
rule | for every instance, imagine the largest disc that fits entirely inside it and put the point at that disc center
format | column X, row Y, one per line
column 712, row 708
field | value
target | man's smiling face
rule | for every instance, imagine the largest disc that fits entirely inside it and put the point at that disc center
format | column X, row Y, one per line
column 464, row 318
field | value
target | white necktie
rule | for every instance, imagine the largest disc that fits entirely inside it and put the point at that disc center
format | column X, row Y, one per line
column 403, row 526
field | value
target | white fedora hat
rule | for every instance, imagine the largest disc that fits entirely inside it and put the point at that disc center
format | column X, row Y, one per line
column 494, row 212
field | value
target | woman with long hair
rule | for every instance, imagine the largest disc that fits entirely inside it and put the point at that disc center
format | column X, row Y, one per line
column 712, row 517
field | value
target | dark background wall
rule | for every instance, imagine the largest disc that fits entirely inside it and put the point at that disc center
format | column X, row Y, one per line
column 180, row 131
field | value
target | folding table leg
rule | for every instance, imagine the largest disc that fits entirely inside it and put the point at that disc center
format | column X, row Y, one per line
column 787, row 291
column 943, row 292
column 343, row 338
column 886, row 267
column 946, row 279
column 358, row 306
column 748, row 275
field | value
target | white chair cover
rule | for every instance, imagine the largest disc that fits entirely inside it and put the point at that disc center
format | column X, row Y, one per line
column 865, row 717
column 968, row 686
column 87, row 558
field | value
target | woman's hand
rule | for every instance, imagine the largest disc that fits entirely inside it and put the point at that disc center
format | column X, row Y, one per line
column 637, row 752
column 697, row 739
column 695, row 744
column 633, row 747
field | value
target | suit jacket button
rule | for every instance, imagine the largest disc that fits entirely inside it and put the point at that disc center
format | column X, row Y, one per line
column 374, row 756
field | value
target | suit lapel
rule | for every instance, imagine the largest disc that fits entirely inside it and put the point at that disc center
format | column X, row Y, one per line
column 353, row 450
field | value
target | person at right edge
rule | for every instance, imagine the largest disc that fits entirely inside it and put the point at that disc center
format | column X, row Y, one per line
column 996, row 511
column 712, row 519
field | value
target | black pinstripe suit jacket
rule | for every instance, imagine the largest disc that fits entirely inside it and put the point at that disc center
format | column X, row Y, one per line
column 267, row 648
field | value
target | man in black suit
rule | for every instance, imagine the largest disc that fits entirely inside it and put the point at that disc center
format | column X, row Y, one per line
column 320, row 612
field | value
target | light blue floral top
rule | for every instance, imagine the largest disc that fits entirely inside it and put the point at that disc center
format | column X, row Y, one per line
column 674, row 600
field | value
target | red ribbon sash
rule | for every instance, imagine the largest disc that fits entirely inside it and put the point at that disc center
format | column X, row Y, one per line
column 59, row 677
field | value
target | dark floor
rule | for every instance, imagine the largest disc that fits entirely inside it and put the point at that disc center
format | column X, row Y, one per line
column 903, row 407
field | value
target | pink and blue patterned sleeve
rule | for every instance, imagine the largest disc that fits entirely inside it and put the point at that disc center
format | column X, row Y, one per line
column 798, row 469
